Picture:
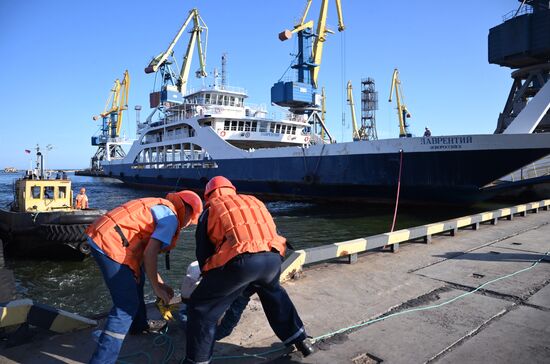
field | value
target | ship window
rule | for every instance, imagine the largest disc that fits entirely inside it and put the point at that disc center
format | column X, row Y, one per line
column 35, row 191
column 207, row 99
column 254, row 126
column 226, row 125
column 62, row 192
column 233, row 125
column 49, row 192
column 293, row 130
column 241, row 126
column 232, row 100
column 220, row 99
column 283, row 129
column 272, row 128
column 277, row 128
column 247, row 126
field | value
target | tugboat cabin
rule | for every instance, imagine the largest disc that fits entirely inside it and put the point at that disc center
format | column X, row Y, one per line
column 34, row 195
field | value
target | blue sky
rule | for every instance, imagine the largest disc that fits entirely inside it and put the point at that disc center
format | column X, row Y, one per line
column 60, row 58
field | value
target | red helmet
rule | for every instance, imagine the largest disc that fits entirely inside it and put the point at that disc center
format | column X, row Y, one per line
column 215, row 183
column 190, row 198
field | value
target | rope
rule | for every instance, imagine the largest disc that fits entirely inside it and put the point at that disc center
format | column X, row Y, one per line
column 425, row 308
column 398, row 189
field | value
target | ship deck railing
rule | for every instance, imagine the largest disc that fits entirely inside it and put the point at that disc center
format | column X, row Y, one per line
column 349, row 250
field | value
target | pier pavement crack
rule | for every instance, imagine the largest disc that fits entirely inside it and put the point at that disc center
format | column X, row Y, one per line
column 497, row 240
column 517, row 300
column 470, row 334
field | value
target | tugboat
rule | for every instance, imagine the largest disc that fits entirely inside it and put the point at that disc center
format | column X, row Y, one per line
column 42, row 222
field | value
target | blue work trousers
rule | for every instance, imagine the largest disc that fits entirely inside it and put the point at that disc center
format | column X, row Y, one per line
column 221, row 286
column 128, row 310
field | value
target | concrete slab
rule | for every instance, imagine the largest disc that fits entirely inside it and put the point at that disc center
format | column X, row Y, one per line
column 488, row 263
column 520, row 336
column 417, row 336
column 531, row 241
column 541, row 298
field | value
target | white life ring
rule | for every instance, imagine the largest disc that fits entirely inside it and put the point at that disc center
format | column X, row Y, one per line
column 222, row 133
column 306, row 139
column 247, row 134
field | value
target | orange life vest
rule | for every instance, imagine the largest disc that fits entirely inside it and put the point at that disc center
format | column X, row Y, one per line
column 124, row 232
column 81, row 201
column 240, row 224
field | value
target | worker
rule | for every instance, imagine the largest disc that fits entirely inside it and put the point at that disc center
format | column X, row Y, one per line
column 81, row 201
column 123, row 240
column 238, row 249
column 427, row 132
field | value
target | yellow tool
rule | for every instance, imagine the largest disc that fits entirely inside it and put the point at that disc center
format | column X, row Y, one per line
column 166, row 310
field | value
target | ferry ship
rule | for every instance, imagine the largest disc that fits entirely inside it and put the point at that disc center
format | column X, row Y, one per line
column 213, row 132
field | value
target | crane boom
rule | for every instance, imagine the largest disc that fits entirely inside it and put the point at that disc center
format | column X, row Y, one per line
column 320, row 36
column 402, row 111
column 161, row 62
column 351, row 104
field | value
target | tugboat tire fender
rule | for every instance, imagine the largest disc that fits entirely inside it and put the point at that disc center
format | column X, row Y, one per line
column 76, row 219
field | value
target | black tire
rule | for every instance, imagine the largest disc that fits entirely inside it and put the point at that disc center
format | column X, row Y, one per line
column 65, row 233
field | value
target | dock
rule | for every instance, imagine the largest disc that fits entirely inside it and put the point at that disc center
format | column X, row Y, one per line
column 420, row 303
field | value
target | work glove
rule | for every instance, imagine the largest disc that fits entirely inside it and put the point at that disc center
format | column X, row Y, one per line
column 166, row 310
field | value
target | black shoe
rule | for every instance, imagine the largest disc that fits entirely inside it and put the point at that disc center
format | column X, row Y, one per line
column 304, row 347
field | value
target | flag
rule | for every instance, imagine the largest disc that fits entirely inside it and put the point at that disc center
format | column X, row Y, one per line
column 27, row 151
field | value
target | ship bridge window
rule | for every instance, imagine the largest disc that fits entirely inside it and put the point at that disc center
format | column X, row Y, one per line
column 272, row 128
column 293, row 130
column 49, row 192
column 283, row 129
column 278, row 128
column 62, row 192
column 35, row 191
column 207, row 99
column 241, row 126
column 233, row 125
column 227, row 125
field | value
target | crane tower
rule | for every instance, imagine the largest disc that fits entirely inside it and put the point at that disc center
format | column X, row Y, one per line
column 369, row 105
column 522, row 43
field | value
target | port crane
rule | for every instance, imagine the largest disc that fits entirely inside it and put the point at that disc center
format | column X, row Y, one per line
column 358, row 133
column 174, row 86
column 301, row 96
column 109, row 142
column 402, row 111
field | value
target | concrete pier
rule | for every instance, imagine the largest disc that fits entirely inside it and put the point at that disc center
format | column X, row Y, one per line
column 507, row 321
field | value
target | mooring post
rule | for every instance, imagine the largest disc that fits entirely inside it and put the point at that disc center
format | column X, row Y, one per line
column 510, row 217
column 475, row 226
column 352, row 258
column 453, row 231
column 394, row 247
column 428, row 239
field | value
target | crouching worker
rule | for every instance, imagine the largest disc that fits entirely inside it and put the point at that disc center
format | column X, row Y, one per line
column 123, row 240
column 238, row 249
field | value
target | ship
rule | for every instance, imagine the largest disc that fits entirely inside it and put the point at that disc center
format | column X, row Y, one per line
column 214, row 132
column 41, row 221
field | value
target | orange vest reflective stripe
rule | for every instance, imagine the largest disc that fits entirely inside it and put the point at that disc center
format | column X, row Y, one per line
column 123, row 233
column 240, row 224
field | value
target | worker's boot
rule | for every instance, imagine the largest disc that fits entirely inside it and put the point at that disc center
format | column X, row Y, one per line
column 304, row 347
